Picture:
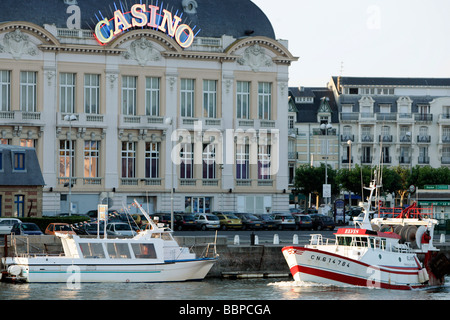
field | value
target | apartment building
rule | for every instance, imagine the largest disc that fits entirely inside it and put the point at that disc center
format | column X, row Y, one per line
column 180, row 106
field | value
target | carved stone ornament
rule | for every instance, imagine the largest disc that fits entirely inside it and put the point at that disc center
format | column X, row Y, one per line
column 255, row 57
column 17, row 44
column 142, row 51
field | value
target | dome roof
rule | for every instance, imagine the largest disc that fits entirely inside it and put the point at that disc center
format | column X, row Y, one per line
column 237, row 18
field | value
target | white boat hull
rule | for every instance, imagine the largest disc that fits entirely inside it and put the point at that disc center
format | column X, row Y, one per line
column 315, row 265
column 68, row 270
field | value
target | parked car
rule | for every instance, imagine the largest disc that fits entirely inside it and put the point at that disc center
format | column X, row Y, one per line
column 269, row 223
column 26, row 229
column 91, row 229
column 58, row 227
column 320, row 222
column 303, row 222
column 284, row 221
column 250, row 221
column 228, row 220
column 184, row 222
column 207, row 221
column 6, row 224
column 120, row 228
column 296, row 210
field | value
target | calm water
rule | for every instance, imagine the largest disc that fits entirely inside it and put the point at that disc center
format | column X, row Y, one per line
column 214, row 289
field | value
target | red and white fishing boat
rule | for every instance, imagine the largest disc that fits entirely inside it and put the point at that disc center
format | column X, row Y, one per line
column 393, row 252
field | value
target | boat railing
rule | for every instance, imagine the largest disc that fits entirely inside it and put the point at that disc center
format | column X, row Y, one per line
column 318, row 240
column 411, row 212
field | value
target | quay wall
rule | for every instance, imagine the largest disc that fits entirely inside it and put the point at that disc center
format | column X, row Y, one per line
column 235, row 261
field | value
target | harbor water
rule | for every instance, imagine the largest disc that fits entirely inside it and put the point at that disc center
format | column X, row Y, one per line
column 214, row 289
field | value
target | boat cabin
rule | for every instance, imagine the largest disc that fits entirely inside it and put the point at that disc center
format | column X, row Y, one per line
column 366, row 238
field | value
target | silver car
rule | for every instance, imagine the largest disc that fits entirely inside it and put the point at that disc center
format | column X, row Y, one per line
column 6, row 224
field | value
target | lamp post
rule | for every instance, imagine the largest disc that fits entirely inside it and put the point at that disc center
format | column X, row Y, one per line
column 349, row 142
column 326, row 127
column 70, row 118
column 170, row 121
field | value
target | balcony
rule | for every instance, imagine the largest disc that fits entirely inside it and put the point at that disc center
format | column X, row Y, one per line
column 385, row 138
column 423, row 139
column 386, row 159
column 386, row 117
column 366, row 138
column 445, row 160
column 423, row 160
column 349, row 117
column 423, row 117
column 366, row 159
column 346, row 137
column 405, row 139
column 345, row 160
column 444, row 118
column 21, row 118
column 404, row 160
column 320, row 132
column 445, row 139
column 141, row 122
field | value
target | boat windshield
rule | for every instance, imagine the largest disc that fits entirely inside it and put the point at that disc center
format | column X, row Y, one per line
column 353, row 241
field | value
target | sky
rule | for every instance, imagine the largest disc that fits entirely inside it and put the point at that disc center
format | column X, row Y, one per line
column 365, row 38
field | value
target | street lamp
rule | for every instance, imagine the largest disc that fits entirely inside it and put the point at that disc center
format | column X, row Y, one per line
column 70, row 118
column 326, row 127
column 349, row 142
column 170, row 121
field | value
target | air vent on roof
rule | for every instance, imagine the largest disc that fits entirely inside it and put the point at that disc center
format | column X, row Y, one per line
column 189, row 6
column 70, row 2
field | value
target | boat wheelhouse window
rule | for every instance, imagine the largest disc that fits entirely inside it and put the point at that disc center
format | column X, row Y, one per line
column 117, row 250
column 344, row 241
column 92, row 250
column 144, row 250
column 165, row 236
column 353, row 241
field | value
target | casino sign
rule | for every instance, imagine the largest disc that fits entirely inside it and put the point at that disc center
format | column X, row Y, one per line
column 142, row 16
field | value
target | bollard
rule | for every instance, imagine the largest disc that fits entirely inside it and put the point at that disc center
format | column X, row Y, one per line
column 256, row 240
column 295, row 239
column 236, row 240
column 276, row 239
column 442, row 240
column 252, row 239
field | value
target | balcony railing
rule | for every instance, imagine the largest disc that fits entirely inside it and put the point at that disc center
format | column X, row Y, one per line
column 445, row 160
column 423, row 139
column 346, row 137
column 385, row 138
column 424, row 117
column 424, row 160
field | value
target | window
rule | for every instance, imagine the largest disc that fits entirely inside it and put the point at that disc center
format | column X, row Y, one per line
column 264, row 162
column 151, row 160
column 118, row 251
column 19, row 205
column 187, row 160
column 152, row 94
column 66, row 157
column 242, row 162
column 209, row 98
column 28, row 91
column 265, row 100
column 5, row 90
column 385, row 108
column 129, row 95
column 128, row 159
column 366, row 156
column 423, row 155
column 291, row 122
column 67, row 92
column 91, row 154
column 92, row 93
column 353, row 90
column 144, row 250
column 209, row 161
column 28, row 143
column 243, row 100
column 385, row 155
column 92, row 250
column 19, row 161
column 197, row 204
column 187, row 97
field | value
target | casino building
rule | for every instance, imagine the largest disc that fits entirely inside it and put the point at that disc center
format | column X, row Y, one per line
column 180, row 104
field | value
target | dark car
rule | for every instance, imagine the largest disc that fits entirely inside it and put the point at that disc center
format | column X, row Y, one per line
column 91, row 229
column 303, row 222
column 269, row 223
column 250, row 221
column 320, row 222
column 284, row 221
column 184, row 222
column 26, row 229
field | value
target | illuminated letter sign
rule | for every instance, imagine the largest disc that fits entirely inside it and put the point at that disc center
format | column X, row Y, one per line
column 142, row 16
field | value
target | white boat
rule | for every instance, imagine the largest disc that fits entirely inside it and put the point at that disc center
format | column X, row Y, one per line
column 151, row 256
column 389, row 252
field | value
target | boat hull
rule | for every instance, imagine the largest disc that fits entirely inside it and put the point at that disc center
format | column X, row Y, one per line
column 315, row 265
column 69, row 271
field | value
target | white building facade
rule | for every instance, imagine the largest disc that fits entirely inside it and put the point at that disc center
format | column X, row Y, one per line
column 193, row 128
